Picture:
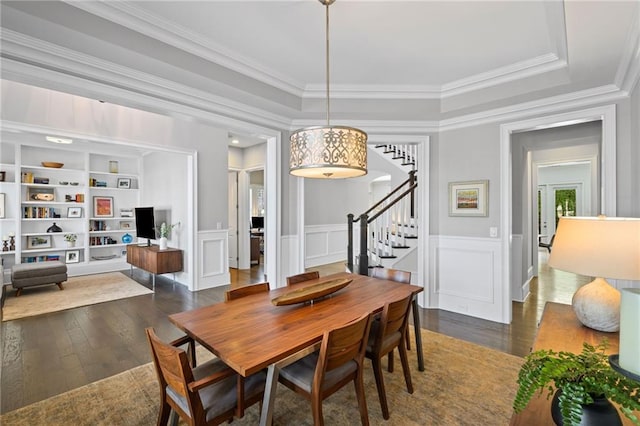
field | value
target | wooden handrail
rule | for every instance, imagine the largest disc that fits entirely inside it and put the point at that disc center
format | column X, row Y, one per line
column 391, row 204
column 408, row 181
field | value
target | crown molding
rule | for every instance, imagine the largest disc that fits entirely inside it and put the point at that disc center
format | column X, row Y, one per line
column 47, row 64
column 628, row 72
column 132, row 17
column 50, row 56
column 584, row 98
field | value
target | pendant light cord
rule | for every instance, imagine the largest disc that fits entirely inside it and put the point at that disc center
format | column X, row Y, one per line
column 327, row 58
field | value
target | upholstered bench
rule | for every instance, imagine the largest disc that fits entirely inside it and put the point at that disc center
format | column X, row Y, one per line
column 38, row 273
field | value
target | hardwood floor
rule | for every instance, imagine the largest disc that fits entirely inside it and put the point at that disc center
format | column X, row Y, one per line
column 49, row 354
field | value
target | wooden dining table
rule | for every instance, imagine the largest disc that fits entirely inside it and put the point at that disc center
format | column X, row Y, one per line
column 251, row 333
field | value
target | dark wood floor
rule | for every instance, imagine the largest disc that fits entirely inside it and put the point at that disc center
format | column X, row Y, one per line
column 49, row 354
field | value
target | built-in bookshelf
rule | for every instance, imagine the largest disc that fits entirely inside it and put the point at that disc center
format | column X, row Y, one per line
column 50, row 192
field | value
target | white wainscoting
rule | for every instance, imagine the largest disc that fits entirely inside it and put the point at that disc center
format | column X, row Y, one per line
column 213, row 259
column 465, row 277
column 291, row 262
column 325, row 244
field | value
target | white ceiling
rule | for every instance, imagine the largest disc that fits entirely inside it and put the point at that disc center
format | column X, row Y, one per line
column 411, row 60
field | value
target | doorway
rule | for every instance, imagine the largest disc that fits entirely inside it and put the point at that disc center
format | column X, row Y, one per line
column 233, row 219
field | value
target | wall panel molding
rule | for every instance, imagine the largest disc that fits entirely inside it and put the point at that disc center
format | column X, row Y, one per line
column 213, row 261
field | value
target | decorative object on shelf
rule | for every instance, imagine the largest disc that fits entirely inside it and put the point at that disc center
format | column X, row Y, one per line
column 113, row 166
column 73, row 212
column 5, row 243
column 63, row 182
column 2, row 175
column 27, row 177
column 54, row 228
column 12, row 241
column 103, row 206
column 38, row 241
column 126, row 212
column 125, row 224
column 598, row 247
column 2, row 199
column 105, row 257
column 79, row 198
column 311, row 292
column 41, row 180
column 127, row 238
column 41, row 194
column 72, row 256
column 165, row 230
column 330, row 152
column 52, row 164
column 578, row 380
column 73, row 183
column 124, row 183
column 469, row 198
column 70, row 239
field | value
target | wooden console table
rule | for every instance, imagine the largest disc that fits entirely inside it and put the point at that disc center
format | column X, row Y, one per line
column 560, row 330
column 154, row 260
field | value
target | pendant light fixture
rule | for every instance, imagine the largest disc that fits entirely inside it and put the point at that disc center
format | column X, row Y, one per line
column 328, row 152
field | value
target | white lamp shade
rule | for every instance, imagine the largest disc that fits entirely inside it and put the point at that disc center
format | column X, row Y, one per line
column 606, row 247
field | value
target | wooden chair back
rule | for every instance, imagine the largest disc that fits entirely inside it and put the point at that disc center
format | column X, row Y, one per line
column 344, row 344
column 173, row 369
column 394, row 320
column 246, row 290
column 392, row 275
column 305, row 276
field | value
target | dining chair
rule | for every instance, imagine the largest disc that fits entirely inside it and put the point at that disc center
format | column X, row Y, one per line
column 246, row 290
column 386, row 335
column 403, row 277
column 305, row 276
column 205, row 395
column 339, row 361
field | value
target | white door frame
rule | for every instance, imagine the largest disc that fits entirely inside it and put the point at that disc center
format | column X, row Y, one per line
column 606, row 114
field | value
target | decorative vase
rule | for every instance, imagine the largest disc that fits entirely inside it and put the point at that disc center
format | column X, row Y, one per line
column 127, row 238
column 71, row 243
column 163, row 243
column 54, row 228
column 600, row 413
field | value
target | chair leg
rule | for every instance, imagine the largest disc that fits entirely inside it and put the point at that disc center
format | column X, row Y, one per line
column 60, row 286
column 19, row 292
column 390, row 362
column 362, row 400
column 382, row 395
column 316, row 408
column 407, row 339
column 404, row 359
column 163, row 414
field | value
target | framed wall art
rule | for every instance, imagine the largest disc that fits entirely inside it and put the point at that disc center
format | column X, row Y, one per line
column 38, row 241
column 124, row 183
column 103, row 206
column 72, row 256
column 469, row 198
column 74, row 212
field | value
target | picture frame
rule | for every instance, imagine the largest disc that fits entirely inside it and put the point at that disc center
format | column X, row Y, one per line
column 72, row 256
column 124, row 183
column 41, row 194
column 125, row 224
column 2, row 207
column 73, row 212
column 470, row 198
column 38, row 241
column 126, row 212
column 103, row 206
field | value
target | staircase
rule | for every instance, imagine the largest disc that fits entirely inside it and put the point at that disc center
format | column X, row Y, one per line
column 387, row 231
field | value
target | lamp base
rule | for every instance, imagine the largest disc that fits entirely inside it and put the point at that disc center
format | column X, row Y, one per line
column 597, row 306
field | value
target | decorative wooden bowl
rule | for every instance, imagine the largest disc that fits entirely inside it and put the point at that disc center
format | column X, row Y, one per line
column 52, row 164
column 311, row 292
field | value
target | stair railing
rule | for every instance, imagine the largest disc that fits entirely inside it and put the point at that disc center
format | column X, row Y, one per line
column 395, row 215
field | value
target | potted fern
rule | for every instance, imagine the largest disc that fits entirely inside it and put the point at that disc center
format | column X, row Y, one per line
column 165, row 230
column 583, row 386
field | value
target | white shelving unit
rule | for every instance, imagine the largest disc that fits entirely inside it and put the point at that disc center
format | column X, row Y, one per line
column 37, row 196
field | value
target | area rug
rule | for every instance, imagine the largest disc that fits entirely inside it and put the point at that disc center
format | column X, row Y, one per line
column 463, row 384
column 78, row 291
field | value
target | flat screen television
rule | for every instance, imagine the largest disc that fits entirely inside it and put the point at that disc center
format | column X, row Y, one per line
column 145, row 225
column 257, row 222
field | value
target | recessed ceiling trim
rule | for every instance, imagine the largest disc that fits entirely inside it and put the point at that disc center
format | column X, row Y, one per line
column 136, row 19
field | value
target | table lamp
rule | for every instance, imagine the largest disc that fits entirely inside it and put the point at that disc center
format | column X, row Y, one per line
column 598, row 247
